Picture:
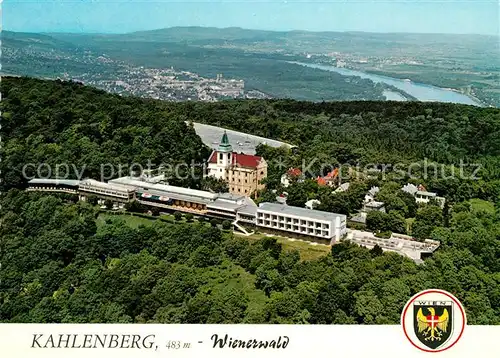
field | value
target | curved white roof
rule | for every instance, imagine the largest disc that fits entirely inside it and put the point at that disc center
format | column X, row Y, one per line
column 166, row 188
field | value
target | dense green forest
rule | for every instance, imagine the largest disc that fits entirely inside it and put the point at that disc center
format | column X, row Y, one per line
column 62, row 123
column 62, row 263
column 59, row 265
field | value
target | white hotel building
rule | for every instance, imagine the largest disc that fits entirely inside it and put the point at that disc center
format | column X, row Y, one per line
column 300, row 221
column 240, row 209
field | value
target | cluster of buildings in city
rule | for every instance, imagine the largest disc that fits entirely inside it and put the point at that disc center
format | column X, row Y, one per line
column 352, row 60
column 170, row 84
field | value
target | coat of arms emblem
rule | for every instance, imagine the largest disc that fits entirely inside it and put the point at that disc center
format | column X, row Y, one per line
column 433, row 322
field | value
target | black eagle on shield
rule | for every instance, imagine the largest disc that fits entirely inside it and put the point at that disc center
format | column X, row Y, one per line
column 433, row 323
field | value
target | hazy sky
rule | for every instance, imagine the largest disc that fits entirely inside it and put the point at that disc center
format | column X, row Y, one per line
column 118, row 16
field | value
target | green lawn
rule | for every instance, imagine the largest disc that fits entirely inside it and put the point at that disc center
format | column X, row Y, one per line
column 409, row 224
column 482, row 205
column 130, row 220
column 308, row 251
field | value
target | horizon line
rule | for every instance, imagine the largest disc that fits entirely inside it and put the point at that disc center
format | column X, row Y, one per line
column 249, row 29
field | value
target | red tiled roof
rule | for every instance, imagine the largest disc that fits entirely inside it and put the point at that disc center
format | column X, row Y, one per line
column 245, row 160
column 239, row 159
column 213, row 157
column 321, row 181
column 294, row 172
column 333, row 174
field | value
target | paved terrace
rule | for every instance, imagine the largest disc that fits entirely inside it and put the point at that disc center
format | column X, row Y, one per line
column 397, row 243
column 241, row 142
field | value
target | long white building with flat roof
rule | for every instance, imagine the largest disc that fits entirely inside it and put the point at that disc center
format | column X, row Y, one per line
column 237, row 208
column 305, row 222
column 122, row 192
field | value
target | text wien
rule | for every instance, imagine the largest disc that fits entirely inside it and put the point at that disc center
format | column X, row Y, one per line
column 228, row 342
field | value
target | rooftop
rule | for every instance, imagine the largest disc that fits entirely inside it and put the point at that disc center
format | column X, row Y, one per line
column 294, row 172
column 222, row 204
column 54, row 181
column 231, row 197
column 113, row 186
column 171, row 195
column 374, row 204
column 240, row 160
column 425, row 193
column 224, row 145
column 303, row 212
column 165, row 188
column 248, row 210
column 410, row 188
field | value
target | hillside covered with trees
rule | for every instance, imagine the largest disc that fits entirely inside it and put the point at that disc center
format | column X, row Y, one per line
column 62, row 262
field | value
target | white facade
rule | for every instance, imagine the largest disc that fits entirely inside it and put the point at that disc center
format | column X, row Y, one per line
column 312, row 203
column 220, row 168
column 423, row 197
column 302, row 221
column 115, row 190
column 285, row 181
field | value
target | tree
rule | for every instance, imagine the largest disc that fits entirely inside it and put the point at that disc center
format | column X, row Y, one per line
column 109, row 204
column 155, row 211
column 266, row 196
column 189, row 217
column 226, row 225
column 202, row 219
column 136, row 207
column 202, row 257
column 214, row 222
column 376, row 221
column 335, row 203
column 396, row 222
column 297, row 195
column 461, row 207
column 92, row 199
column 376, row 251
column 213, row 184
column 428, row 218
column 178, row 216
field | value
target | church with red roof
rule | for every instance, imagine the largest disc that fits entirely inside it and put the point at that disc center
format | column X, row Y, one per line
column 242, row 172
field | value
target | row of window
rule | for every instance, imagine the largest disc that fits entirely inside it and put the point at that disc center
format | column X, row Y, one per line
column 233, row 189
column 222, row 212
column 246, row 217
column 52, row 188
column 295, row 228
column 288, row 220
column 246, row 181
column 107, row 192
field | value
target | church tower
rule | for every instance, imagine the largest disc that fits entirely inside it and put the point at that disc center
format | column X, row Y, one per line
column 242, row 172
column 224, row 152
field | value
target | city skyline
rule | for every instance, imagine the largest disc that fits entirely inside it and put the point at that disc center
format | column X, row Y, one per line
column 122, row 16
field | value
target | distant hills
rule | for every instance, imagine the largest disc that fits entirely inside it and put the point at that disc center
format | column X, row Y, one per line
column 258, row 57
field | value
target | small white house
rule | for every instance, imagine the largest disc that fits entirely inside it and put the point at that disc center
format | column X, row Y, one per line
column 311, row 204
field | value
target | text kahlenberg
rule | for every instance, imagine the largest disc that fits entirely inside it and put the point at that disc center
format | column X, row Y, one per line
column 93, row 341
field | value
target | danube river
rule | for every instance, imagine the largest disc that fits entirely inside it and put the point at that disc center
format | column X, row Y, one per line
column 420, row 91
